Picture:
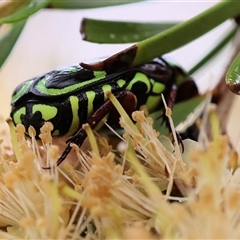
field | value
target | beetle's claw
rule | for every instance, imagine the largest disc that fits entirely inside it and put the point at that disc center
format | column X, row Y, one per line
column 76, row 139
column 62, row 157
column 69, row 140
column 180, row 142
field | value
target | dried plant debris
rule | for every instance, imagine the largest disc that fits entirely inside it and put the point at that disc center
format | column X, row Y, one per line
column 129, row 195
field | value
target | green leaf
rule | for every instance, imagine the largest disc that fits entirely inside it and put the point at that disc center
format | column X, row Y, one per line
column 8, row 40
column 179, row 114
column 101, row 31
column 170, row 39
column 233, row 76
column 187, row 31
column 66, row 4
column 9, row 7
column 25, row 11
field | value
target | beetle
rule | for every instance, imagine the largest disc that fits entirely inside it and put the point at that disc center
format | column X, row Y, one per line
column 72, row 96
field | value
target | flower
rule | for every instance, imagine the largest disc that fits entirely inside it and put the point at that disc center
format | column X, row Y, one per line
column 150, row 190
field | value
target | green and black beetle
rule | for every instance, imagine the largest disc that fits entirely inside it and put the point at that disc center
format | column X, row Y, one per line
column 73, row 96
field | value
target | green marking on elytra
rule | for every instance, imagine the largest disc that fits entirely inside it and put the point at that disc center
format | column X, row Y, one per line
column 74, row 102
column 66, row 90
column 158, row 87
column 139, row 77
column 48, row 112
column 106, row 89
column 23, row 89
column 17, row 115
column 153, row 100
column 90, row 96
column 121, row 82
column 99, row 74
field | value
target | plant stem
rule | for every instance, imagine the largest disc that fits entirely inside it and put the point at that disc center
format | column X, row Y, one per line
column 170, row 39
column 66, row 4
column 186, row 32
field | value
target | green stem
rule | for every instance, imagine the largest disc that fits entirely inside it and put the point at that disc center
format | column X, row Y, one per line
column 170, row 39
column 186, row 32
column 66, row 4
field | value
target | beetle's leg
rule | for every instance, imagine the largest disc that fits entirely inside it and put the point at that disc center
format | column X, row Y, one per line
column 124, row 97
